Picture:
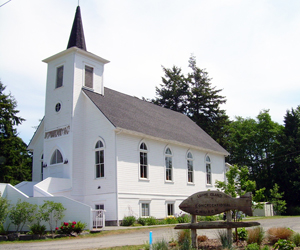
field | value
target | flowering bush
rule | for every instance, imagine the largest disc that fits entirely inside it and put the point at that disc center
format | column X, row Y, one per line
column 70, row 227
column 171, row 220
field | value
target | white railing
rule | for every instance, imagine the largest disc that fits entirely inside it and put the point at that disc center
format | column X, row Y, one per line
column 98, row 218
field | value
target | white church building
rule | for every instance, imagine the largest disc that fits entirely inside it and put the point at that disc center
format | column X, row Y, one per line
column 108, row 150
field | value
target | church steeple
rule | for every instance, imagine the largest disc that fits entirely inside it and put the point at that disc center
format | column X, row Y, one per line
column 77, row 36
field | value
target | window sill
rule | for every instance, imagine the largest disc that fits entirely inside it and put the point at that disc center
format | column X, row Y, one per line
column 191, row 183
column 88, row 88
column 169, row 182
column 100, row 178
column 144, row 179
column 209, row 185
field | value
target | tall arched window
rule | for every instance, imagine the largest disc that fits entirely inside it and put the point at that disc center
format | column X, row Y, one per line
column 143, row 161
column 190, row 167
column 208, row 170
column 168, row 159
column 99, row 159
column 56, row 157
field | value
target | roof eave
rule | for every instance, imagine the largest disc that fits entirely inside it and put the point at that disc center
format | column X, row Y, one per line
column 75, row 50
column 119, row 130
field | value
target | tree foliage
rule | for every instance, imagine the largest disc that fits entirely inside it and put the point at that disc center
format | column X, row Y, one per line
column 174, row 89
column 4, row 210
column 194, row 96
column 51, row 212
column 21, row 213
column 239, row 183
column 287, row 165
column 15, row 160
column 252, row 143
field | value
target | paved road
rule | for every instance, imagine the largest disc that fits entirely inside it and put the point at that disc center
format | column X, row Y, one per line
column 134, row 238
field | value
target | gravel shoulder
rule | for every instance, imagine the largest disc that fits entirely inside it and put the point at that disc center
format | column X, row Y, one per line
column 136, row 237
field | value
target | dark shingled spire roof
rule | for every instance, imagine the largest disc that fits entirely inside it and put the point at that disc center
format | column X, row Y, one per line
column 77, row 36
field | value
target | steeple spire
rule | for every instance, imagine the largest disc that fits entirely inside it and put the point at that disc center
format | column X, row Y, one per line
column 77, row 36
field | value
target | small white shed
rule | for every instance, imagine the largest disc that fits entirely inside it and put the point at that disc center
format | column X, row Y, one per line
column 267, row 210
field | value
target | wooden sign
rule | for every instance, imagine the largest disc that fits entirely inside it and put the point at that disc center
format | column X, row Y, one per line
column 215, row 224
column 208, row 203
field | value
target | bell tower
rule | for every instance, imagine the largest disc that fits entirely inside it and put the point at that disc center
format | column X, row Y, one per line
column 68, row 73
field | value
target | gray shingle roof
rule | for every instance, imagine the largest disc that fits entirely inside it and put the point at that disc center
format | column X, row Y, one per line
column 133, row 114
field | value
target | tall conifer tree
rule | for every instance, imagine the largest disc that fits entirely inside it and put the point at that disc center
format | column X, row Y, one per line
column 15, row 160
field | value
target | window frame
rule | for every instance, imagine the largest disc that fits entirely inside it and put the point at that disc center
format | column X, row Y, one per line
column 190, row 171
column 142, row 210
column 55, row 152
column 99, row 155
column 99, row 205
column 168, row 165
column 89, row 76
column 59, row 81
column 143, row 156
column 208, row 170
column 170, row 205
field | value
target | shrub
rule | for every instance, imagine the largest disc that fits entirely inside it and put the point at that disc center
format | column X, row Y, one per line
column 128, row 221
column 141, row 221
column 37, row 228
column 183, row 218
column 265, row 247
column 255, row 235
column 171, row 220
column 282, row 244
column 79, row 226
column 296, row 239
column 21, row 213
column 242, row 233
column 71, row 227
column 276, row 233
column 4, row 211
column 51, row 212
column 151, row 221
column 207, row 218
column 252, row 246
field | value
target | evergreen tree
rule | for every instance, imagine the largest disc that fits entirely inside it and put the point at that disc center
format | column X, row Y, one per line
column 205, row 101
column 173, row 93
column 15, row 160
column 194, row 96
column 287, row 166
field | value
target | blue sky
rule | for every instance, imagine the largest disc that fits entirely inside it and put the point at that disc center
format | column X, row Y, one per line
column 249, row 48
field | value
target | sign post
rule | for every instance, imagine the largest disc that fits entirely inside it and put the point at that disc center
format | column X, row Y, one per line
column 215, row 202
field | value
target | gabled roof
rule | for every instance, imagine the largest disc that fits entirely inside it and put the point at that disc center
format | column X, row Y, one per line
column 77, row 36
column 130, row 113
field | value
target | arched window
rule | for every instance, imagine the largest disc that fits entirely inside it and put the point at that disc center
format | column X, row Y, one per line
column 208, row 170
column 190, row 167
column 168, row 159
column 56, row 157
column 143, row 161
column 99, row 159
